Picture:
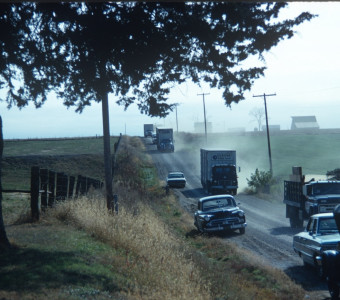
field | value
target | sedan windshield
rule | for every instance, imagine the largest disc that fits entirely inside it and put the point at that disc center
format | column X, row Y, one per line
column 217, row 203
column 178, row 175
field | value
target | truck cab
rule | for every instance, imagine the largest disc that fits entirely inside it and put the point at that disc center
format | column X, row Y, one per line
column 224, row 178
column 304, row 199
column 321, row 196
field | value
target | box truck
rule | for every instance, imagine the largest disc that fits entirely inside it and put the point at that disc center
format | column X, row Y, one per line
column 218, row 171
column 165, row 139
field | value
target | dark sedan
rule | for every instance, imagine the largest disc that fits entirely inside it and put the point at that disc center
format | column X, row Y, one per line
column 219, row 213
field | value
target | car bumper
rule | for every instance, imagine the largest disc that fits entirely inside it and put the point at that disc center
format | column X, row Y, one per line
column 176, row 185
column 225, row 227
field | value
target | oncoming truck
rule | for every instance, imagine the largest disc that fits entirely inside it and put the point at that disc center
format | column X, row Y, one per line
column 304, row 199
column 148, row 130
column 218, row 171
column 165, row 139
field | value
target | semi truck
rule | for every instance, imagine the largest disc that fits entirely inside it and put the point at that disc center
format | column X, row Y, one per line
column 148, row 130
column 218, row 171
column 165, row 139
column 304, row 199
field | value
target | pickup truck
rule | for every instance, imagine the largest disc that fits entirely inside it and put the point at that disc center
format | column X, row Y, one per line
column 321, row 234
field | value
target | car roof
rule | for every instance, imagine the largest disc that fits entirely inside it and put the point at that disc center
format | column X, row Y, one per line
column 175, row 173
column 215, row 197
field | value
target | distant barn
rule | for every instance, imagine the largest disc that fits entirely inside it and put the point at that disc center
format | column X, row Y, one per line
column 304, row 123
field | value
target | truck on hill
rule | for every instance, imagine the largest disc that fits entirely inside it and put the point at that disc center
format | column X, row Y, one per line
column 304, row 199
column 165, row 139
column 218, row 171
column 148, row 130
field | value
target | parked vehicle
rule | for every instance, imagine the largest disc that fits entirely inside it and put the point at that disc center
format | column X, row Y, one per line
column 148, row 130
column 330, row 263
column 321, row 234
column 218, row 171
column 165, row 139
column 176, row 180
column 219, row 213
column 304, row 199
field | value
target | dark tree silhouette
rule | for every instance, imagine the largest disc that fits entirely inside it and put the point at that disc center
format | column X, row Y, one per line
column 136, row 51
column 4, row 243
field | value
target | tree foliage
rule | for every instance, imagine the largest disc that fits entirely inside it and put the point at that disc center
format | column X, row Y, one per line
column 334, row 174
column 260, row 180
column 136, row 51
column 4, row 242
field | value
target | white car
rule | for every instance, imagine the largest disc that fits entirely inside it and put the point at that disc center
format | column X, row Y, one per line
column 321, row 234
column 176, row 179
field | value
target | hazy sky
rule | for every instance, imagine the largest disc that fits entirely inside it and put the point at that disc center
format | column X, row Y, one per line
column 303, row 71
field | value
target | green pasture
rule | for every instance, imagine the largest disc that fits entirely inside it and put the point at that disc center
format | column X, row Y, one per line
column 78, row 156
column 65, row 146
column 315, row 153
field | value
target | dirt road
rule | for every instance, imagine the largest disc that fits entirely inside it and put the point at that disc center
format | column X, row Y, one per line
column 268, row 234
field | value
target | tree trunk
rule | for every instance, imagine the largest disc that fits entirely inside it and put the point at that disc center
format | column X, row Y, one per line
column 107, row 152
column 4, row 243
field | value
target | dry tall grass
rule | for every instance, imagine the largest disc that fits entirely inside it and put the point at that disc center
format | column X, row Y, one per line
column 154, row 258
column 159, row 263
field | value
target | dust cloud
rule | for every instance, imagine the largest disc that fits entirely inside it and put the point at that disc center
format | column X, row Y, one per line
column 247, row 158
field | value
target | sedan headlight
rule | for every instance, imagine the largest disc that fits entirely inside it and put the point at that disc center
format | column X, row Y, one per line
column 206, row 217
column 240, row 213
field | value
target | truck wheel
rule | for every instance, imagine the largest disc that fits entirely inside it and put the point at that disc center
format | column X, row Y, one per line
column 242, row 230
column 295, row 222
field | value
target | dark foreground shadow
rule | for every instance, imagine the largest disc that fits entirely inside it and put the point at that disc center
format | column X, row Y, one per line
column 307, row 277
column 225, row 234
column 193, row 193
column 24, row 270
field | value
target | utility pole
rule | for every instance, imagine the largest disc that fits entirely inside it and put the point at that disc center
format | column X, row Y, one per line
column 205, row 120
column 176, row 104
column 268, row 138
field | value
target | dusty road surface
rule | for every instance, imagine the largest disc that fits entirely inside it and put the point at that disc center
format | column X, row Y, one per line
column 268, row 234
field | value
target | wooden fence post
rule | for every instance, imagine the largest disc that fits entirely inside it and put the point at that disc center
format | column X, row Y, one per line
column 51, row 188
column 44, row 188
column 35, row 193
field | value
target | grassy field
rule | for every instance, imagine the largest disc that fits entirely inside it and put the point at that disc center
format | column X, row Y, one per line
column 150, row 250
column 67, row 146
column 83, row 156
column 315, row 153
